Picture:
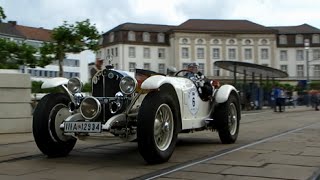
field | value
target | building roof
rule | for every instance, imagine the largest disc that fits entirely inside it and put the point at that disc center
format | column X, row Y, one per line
column 31, row 33
column 300, row 29
column 9, row 29
column 39, row 34
column 223, row 26
column 142, row 27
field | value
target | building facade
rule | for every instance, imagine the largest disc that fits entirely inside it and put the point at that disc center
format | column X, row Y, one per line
column 75, row 65
column 156, row 47
column 292, row 53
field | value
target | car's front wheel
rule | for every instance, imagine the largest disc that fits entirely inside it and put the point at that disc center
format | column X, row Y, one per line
column 51, row 111
column 157, row 128
column 227, row 116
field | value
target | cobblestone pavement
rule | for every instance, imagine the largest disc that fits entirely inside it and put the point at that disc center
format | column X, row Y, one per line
column 271, row 145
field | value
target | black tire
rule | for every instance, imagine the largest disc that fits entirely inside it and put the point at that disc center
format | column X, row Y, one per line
column 222, row 114
column 44, row 130
column 147, row 144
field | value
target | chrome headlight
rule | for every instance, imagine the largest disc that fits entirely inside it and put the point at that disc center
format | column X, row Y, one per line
column 74, row 85
column 90, row 108
column 128, row 85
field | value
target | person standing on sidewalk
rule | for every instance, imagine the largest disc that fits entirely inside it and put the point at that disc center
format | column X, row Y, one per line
column 315, row 98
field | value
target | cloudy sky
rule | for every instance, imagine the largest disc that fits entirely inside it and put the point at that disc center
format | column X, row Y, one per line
column 107, row 14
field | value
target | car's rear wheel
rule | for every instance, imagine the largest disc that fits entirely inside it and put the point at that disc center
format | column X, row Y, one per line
column 51, row 111
column 157, row 128
column 228, row 119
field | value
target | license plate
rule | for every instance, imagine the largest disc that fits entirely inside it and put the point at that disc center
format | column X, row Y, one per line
column 90, row 127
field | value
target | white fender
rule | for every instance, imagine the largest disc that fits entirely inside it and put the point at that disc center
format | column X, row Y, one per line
column 54, row 82
column 153, row 82
column 223, row 93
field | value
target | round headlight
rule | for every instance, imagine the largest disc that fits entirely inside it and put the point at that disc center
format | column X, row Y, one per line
column 128, row 85
column 90, row 108
column 74, row 85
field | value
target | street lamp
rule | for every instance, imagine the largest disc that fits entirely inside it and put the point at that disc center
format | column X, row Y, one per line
column 306, row 47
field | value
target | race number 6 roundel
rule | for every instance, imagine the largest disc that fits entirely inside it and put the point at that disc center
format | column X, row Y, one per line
column 193, row 103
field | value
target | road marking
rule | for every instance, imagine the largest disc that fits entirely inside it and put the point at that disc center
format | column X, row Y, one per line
column 175, row 169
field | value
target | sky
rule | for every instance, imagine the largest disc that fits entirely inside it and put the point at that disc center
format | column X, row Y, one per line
column 107, row 14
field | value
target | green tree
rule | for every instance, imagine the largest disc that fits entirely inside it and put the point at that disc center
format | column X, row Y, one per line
column 12, row 55
column 69, row 38
column 2, row 15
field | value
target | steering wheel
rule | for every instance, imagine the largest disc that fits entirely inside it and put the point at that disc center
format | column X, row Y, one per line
column 183, row 70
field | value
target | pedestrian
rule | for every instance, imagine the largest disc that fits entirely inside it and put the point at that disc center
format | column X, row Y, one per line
column 97, row 67
column 315, row 98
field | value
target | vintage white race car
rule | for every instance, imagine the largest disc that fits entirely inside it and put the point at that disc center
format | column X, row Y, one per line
column 146, row 107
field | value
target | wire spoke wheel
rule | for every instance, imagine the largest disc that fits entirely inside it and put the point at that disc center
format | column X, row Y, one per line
column 163, row 127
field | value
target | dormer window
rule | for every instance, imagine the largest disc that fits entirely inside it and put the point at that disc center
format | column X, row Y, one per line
column 146, row 37
column 161, row 37
column 184, row 41
column 299, row 39
column 216, row 41
column 200, row 41
column 282, row 39
column 264, row 41
column 131, row 36
column 247, row 42
column 232, row 41
column 315, row 39
column 111, row 37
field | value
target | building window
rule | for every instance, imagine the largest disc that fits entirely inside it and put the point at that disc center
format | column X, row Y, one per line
column 146, row 53
column 300, row 71
column 185, row 52
column 282, row 39
column 146, row 66
column 45, row 73
column 146, row 37
column 116, row 52
column 185, row 65
column 161, row 68
column 284, row 68
column 201, row 68
column 161, row 37
column 200, row 41
column 216, row 71
column 232, row 41
column 200, row 53
column 112, row 52
column 316, row 54
column 132, row 66
column 111, row 37
column 247, row 54
column 232, row 53
column 264, row 53
column 161, row 53
column 316, row 71
column 108, row 52
column 299, row 55
column 315, row 39
column 264, row 41
column 132, row 52
column 215, row 41
column 216, row 53
column 247, row 42
column 131, row 36
column 184, row 41
column 299, row 39
column 283, row 55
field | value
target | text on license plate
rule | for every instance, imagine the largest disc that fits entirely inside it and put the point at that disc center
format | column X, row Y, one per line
column 82, row 127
